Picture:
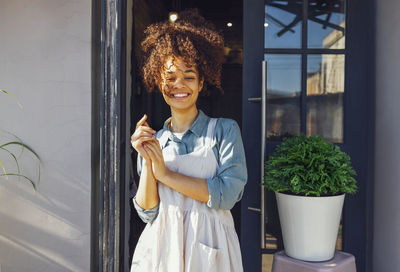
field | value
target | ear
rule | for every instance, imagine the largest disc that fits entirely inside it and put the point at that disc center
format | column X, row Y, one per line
column 201, row 84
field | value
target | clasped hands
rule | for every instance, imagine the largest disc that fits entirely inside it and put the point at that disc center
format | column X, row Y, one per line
column 147, row 145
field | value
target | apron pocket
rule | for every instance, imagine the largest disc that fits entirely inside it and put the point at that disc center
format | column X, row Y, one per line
column 208, row 257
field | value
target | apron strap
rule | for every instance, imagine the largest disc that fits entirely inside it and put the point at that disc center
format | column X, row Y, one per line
column 210, row 131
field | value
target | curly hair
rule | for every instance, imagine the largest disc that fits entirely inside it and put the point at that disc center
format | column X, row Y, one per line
column 191, row 38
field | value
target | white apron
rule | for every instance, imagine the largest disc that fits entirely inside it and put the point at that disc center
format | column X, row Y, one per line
column 187, row 235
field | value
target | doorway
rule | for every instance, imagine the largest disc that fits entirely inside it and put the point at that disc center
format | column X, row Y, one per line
column 227, row 16
column 317, row 50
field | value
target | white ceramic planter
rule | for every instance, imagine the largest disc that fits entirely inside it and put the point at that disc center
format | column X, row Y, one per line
column 310, row 225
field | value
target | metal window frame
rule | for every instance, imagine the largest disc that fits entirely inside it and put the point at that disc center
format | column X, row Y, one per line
column 304, row 51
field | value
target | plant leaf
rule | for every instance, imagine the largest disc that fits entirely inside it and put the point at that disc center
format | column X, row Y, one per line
column 16, row 161
column 19, row 175
column 19, row 104
column 21, row 144
column 2, row 166
column 15, row 158
column 309, row 166
column 16, row 137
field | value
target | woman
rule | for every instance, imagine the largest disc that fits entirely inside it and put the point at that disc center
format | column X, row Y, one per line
column 192, row 171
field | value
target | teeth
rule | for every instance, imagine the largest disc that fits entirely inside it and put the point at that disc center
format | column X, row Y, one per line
column 180, row 95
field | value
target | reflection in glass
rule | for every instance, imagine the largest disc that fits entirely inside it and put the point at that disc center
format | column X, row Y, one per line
column 325, row 88
column 283, row 24
column 339, row 241
column 283, row 95
column 271, row 242
column 326, row 24
column 267, row 260
column 272, row 227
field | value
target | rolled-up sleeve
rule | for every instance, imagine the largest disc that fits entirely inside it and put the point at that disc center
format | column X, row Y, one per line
column 146, row 215
column 226, row 187
column 139, row 164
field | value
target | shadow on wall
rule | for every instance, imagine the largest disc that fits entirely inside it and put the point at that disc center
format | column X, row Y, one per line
column 44, row 231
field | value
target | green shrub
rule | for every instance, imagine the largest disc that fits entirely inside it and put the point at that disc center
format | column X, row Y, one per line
column 309, row 166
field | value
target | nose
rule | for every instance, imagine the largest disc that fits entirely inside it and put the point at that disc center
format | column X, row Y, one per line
column 179, row 83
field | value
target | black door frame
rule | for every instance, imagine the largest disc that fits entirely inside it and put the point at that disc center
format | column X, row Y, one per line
column 110, row 139
column 253, row 54
column 358, row 129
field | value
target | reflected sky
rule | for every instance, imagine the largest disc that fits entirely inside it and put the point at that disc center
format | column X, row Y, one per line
column 275, row 18
column 283, row 74
column 319, row 28
column 314, row 63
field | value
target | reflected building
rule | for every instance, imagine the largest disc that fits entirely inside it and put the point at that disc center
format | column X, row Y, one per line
column 283, row 114
column 330, row 77
column 325, row 88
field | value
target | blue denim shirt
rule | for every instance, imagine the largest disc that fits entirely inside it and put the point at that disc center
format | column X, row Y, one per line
column 226, row 187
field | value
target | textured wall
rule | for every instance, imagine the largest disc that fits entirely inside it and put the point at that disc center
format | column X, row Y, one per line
column 45, row 63
column 387, row 146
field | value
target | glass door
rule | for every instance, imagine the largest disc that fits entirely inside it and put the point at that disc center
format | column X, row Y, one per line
column 304, row 48
column 310, row 87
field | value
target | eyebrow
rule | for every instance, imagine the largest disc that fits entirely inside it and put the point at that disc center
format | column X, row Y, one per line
column 186, row 71
column 190, row 71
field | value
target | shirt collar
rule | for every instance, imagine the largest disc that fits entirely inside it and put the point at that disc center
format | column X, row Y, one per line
column 199, row 124
column 196, row 128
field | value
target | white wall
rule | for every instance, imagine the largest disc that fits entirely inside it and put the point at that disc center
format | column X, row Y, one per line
column 45, row 63
column 386, row 248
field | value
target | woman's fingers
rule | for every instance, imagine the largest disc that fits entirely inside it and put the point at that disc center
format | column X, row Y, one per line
column 143, row 140
column 143, row 135
column 149, row 150
column 149, row 146
column 142, row 132
column 155, row 145
column 144, row 154
column 157, row 159
column 138, row 145
column 144, row 129
column 157, row 154
column 142, row 121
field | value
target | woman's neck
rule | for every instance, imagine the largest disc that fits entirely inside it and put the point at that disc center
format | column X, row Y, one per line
column 182, row 120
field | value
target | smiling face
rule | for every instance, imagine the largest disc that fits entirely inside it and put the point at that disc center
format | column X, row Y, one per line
column 180, row 84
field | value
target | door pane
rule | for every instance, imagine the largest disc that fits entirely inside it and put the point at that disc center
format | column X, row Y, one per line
column 325, row 88
column 282, row 24
column 326, row 24
column 283, row 95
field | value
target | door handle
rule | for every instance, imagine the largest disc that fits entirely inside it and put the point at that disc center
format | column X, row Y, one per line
column 254, row 209
column 263, row 139
column 254, row 99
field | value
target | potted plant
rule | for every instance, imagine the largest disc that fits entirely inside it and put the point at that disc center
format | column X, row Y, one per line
column 310, row 177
